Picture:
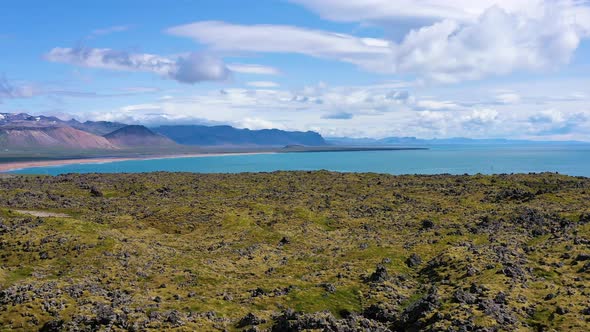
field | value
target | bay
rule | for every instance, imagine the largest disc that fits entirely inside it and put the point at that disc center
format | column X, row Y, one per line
column 570, row 159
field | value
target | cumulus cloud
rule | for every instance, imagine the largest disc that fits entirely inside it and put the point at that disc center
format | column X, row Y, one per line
column 379, row 110
column 197, row 67
column 465, row 41
column 483, row 117
column 382, row 11
column 496, row 43
column 554, row 122
column 386, row 10
column 436, row 105
column 191, row 68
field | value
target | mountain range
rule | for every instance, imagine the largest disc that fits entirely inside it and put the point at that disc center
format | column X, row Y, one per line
column 227, row 135
column 26, row 132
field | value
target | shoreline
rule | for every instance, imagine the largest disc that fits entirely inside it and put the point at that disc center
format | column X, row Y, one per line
column 19, row 165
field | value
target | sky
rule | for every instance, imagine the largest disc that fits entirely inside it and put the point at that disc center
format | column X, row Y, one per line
column 363, row 68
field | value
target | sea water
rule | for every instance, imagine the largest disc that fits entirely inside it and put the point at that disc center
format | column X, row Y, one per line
column 571, row 159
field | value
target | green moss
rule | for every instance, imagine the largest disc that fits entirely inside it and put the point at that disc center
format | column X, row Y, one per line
column 201, row 243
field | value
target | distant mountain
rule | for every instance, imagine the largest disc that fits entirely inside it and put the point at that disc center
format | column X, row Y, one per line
column 227, row 135
column 26, row 119
column 96, row 127
column 435, row 141
column 23, row 131
column 137, row 136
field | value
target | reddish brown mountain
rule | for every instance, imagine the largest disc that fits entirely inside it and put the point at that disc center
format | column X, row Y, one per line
column 56, row 136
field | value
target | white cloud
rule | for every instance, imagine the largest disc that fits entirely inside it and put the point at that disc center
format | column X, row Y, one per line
column 253, row 69
column 496, row 43
column 141, row 107
column 257, row 124
column 482, row 117
column 262, row 84
column 508, row 98
column 191, row 68
column 464, row 41
column 285, row 39
column 198, row 67
column 381, row 11
column 380, row 110
column 555, row 122
column 436, row 105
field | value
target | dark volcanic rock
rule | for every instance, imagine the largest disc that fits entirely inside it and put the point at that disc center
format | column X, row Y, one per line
column 411, row 316
column 380, row 274
column 330, row 288
column 513, row 194
column 291, row 321
column 413, row 260
column 381, row 312
column 462, row 296
column 52, row 326
column 499, row 312
column 513, row 271
column 258, row 292
column 250, row 319
column 175, row 318
column 427, row 224
column 285, row 240
column 95, row 192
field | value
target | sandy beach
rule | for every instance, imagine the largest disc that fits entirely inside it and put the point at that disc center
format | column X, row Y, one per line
column 13, row 166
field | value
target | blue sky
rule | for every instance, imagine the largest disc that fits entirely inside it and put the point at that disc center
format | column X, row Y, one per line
column 365, row 68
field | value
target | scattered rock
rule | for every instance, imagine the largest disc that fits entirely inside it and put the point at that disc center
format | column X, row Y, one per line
column 418, row 310
column 250, row 319
column 94, row 192
column 413, row 260
column 462, row 296
column 381, row 312
column 175, row 318
column 427, row 224
column 330, row 288
column 380, row 274
column 561, row 310
column 501, row 313
column 501, row 298
column 284, row 241
column 258, row 292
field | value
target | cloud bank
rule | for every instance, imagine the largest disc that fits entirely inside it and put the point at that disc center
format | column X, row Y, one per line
column 464, row 41
column 379, row 110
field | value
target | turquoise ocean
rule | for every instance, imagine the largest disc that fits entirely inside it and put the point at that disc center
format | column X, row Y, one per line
column 570, row 159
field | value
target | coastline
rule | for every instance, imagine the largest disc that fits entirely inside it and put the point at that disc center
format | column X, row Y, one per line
column 14, row 166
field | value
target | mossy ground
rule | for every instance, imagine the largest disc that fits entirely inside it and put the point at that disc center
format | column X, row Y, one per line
column 261, row 243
